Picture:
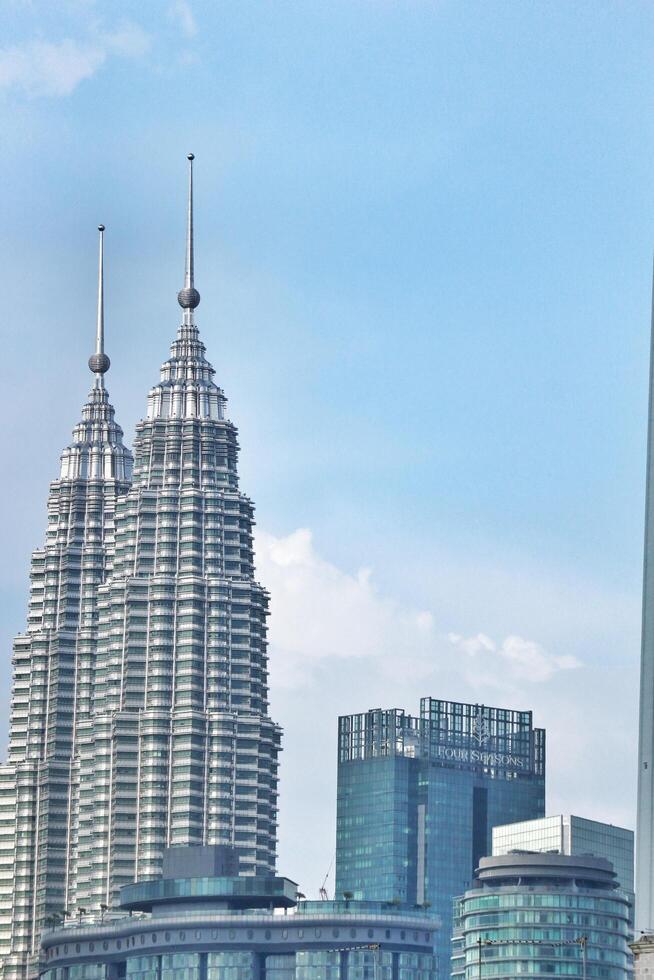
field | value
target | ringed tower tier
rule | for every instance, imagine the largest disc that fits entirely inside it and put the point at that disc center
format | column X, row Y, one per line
column 179, row 747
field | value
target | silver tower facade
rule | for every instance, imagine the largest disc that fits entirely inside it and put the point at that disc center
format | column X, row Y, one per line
column 178, row 747
column 645, row 813
column 140, row 696
column 53, row 668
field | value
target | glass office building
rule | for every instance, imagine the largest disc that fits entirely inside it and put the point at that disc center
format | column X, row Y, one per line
column 542, row 915
column 419, row 796
column 202, row 921
column 568, row 834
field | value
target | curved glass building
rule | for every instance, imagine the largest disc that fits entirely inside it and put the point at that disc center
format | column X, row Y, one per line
column 542, row 915
column 569, row 834
column 202, row 921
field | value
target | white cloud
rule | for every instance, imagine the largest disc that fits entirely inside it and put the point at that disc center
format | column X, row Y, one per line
column 129, row 40
column 55, row 69
column 338, row 644
column 43, row 68
column 524, row 659
column 321, row 612
column 180, row 11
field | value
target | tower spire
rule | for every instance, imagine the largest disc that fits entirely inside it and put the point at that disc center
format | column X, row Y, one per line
column 645, row 811
column 99, row 363
column 188, row 297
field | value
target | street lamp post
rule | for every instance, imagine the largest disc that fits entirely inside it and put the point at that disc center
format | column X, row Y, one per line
column 581, row 941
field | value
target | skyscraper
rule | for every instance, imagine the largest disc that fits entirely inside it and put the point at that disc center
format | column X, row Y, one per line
column 645, row 812
column 178, row 747
column 140, row 704
column 418, row 797
column 568, row 834
column 53, row 668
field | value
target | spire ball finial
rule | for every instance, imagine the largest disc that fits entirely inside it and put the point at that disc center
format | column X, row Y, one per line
column 188, row 297
column 99, row 363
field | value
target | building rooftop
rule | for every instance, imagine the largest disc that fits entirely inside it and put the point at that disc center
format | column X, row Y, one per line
column 521, row 868
column 251, row 892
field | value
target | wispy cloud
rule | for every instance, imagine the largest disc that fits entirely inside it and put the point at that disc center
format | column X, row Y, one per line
column 523, row 660
column 55, row 69
column 180, row 11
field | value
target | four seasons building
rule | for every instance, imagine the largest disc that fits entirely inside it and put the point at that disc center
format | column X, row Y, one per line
column 139, row 712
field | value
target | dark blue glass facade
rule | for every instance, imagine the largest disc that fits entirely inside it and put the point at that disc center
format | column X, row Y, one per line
column 418, row 798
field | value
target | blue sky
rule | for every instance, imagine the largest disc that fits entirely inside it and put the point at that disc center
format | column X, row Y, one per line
column 424, row 247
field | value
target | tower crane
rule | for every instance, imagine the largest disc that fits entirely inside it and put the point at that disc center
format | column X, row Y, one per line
column 324, row 897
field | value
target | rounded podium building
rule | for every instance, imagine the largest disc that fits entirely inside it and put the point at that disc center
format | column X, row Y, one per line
column 203, row 921
column 542, row 915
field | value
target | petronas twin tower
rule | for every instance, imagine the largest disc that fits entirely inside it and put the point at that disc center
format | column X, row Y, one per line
column 139, row 714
